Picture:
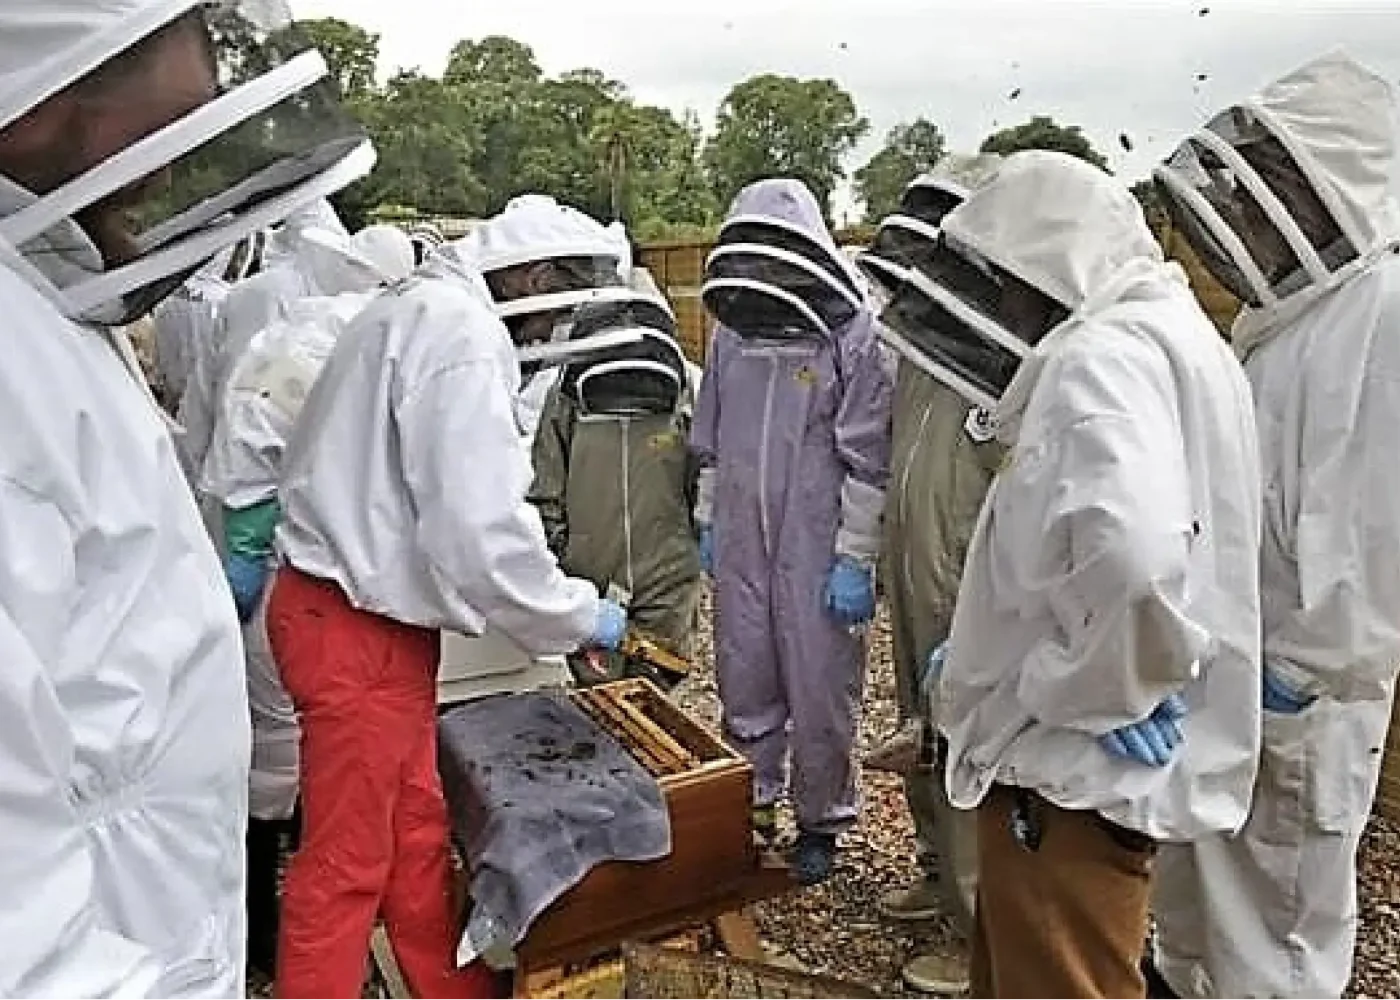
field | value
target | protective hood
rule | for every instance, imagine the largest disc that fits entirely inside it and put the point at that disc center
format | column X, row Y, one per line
column 1064, row 228
column 283, row 241
column 618, row 232
column 1287, row 194
column 337, row 264
column 272, row 139
column 425, row 239
column 776, row 272
column 647, row 376
column 535, row 227
column 925, row 202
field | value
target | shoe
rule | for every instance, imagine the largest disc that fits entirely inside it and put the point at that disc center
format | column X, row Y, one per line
column 939, row 973
column 919, row 901
column 1157, row 986
column 813, row 857
column 900, row 753
column 765, row 825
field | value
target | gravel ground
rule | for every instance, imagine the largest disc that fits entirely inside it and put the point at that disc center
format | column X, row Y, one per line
column 836, row 930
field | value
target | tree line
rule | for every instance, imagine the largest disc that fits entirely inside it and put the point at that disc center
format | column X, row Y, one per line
column 493, row 125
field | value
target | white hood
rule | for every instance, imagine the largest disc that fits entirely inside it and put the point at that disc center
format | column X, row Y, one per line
column 535, row 227
column 1337, row 119
column 1059, row 224
column 45, row 45
column 1072, row 232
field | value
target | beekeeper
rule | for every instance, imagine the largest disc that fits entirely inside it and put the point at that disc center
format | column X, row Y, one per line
column 312, row 255
column 613, row 480
column 1100, row 688
column 276, row 274
column 792, row 434
column 124, row 754
column 1286, row 198
column 940, row 469
column 265, row 392
column 184, row 323
column 404, row 512
column 540, row 260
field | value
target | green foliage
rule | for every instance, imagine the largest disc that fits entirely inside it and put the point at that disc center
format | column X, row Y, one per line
column 494, row 125
column 1152, row 206
column 910, row 150
column 1042, row 132
column 350, row 51
column 773, row 125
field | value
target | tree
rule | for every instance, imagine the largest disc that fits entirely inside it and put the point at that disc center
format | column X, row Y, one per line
column 1043, row 132
column 910, row 150
column 1153, row 208
column 495, row 59
column 426, row 148
column 350, row 51
column 773, row 125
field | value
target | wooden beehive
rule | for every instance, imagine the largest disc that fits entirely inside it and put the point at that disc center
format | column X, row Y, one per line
column 707, row 790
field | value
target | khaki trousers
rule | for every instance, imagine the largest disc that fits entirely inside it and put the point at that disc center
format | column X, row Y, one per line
column 1062, row 901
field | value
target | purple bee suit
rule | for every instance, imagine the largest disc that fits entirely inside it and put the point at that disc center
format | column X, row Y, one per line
column 797, row 434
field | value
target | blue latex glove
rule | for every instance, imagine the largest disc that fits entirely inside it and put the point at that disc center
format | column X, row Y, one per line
column 707, row 549
column 1282, row 699
column 850, row 592
column 247, row 576
column 610, row 627
column 1151, row 741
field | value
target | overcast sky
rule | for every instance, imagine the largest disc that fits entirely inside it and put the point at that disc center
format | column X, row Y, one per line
column 1149, row 69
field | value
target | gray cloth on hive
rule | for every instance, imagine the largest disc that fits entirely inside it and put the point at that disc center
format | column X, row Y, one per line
column 538, row 796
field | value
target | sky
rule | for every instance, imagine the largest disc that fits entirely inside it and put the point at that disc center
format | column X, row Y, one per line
column 1147, row 70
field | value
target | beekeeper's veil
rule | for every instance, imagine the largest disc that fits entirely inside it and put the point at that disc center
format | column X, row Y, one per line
column 644, row 377
column 1283, row 195
column 776, row 272
column 1046, row 237
column 271, row 138
column 923, row 204
column 582, row 255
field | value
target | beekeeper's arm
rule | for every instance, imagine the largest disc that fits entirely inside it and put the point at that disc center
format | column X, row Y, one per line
column 468, row 471
column 863, row 444
column 550, row 457
column 241, row 471
column 57, row 942
column 704, row 430
column 1116, row 539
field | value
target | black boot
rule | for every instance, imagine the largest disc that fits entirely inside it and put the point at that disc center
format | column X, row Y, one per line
column 1157, row 986
column 264, row 843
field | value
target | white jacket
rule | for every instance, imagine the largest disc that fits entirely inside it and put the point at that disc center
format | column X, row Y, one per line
column 1113, row 562
column 406, row 474
column 123, row 720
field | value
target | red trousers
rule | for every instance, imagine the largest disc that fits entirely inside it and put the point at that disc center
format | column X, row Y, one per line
column 375, row 833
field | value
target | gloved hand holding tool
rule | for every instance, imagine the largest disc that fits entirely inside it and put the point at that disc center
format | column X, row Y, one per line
column 850, row 592
column 611, row 625
column 1151, row 741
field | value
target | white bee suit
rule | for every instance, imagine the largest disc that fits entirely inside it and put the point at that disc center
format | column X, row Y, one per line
column 1272, row 912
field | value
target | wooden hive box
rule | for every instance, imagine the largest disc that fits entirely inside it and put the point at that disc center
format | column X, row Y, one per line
column 712, row 849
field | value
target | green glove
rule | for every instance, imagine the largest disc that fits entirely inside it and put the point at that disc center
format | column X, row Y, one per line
column 248, row 530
